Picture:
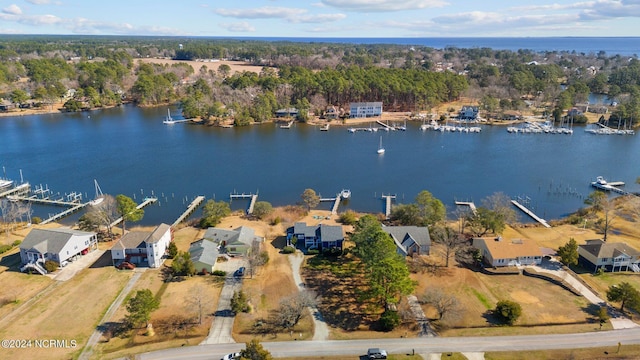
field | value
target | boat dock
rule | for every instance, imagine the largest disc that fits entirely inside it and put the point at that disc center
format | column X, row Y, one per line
column 387, row 208
column 470, row 204
column 171, row 122
column 252, row 202
column 65, row 213
column 385, row 125
column 74, row 197
column 288, row 125
column 190, row 209
column 604, row 185
column 336, row 203
column 147, row 201
column 531, row 214
column 20, row 189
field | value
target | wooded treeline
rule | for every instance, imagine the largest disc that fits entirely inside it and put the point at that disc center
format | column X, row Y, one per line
column 103, row 71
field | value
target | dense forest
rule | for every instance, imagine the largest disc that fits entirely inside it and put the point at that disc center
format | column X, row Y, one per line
column 96, row 71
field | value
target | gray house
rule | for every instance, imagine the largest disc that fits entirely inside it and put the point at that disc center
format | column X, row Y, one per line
column 234, row 242
column 321, row 237
column 410, row 240
column 596, row 254
column 204, row 254
column 143, row 247
column 59, row 245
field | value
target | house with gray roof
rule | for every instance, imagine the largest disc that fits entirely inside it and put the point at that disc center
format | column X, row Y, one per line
column 59, row 245
column 410, row 240
column 143, row 247
column 321, row 236
column 204, row 254
column 233, row 242
column 597, row 254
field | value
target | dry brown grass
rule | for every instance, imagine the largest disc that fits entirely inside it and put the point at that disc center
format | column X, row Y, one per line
column 70, row 312
column 236, row 66
column 611, row 352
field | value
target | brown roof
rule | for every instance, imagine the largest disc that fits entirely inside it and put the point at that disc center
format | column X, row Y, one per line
column 511, row 249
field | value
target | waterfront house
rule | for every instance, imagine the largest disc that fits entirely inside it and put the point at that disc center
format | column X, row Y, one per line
column 498, row 252
column 59, row 245
column 233, row 242
column 365, row 109
column 468, row 113
column 331, row 113
column 289, row 112
column 597, row 254
column 321, row 236
column 410, row 240
column 204, row 254
column 143, row 247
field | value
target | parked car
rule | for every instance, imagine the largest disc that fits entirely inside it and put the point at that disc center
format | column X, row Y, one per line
column 376, row 353
column 232, row 356
column 240, row 271
column 126, row 265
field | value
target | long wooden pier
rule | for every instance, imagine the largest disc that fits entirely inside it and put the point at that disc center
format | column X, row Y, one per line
column 530, row 213
column 385, row 125
column 45, row 201
column 387, row 207
column 190, row 209
column 252, row 202
column 67, row 212
column 147, row 201
column 20, row 189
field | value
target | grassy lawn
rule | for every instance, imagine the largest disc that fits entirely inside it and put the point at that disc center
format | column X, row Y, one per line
column 546, row 308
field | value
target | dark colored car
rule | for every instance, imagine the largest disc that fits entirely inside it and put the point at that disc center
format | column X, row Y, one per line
column 240, row 271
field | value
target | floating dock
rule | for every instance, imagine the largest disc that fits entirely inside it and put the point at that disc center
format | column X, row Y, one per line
column 387, row 208
column 530, row 213
column 147, row 201
column 190, row 209
column 287, row 126
column 252, row 202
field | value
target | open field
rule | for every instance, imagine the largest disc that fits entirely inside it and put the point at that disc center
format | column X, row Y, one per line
column 69, row 312
column 236, row 66
column 626, row 352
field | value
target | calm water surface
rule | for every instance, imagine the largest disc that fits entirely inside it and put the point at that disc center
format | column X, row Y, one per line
column 129, row 151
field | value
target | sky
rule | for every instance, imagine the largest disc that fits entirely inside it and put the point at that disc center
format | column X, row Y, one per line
column 323, row 18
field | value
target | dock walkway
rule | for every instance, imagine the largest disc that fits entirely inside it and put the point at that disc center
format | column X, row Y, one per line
column 387, row 208
column 190, row 209
column 147, row 201
column 336, row 203
column 470, row 204
column 22, row 188
column 253, row 199
column 530, row 213
column 67, row 212
column 611, row 186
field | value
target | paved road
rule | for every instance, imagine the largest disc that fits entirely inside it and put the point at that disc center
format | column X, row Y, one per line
column 303, row 349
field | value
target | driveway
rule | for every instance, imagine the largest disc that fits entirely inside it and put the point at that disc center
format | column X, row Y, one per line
column 618, row 320
column 222, row 325
column 74, row 267
column 321, row 330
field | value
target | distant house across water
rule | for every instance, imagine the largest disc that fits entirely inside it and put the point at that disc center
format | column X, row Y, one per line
column 468, row 113
column 290, row 112
column 365, row 109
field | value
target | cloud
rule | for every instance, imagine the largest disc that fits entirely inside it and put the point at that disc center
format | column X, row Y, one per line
column 611, row 9
column 265, row 12
column 291, row 15
column 383, row 5
column 238, row 27
column 39, row 2
column 12, row 9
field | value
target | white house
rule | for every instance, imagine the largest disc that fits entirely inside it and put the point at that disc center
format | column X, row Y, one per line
column 498, row 252
column 365, row 109
column 59, row 245
column 143, row 247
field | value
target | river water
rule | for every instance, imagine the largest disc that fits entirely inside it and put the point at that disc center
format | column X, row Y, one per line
column 129, row 151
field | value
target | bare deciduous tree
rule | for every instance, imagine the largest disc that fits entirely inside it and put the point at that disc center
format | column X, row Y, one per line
column 292, row 308
column 447, row 306
column 451, row 242
column 104, row 214
column 199, row 300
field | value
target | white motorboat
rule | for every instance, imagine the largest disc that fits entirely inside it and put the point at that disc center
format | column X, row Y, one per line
column 345, row 193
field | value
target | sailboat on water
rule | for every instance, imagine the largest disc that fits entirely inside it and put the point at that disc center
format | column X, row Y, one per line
column 380, row 148
column 168, row 120
column 99, row 196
